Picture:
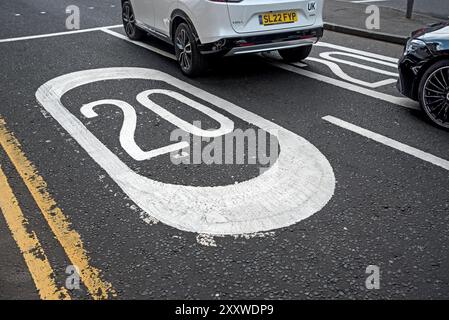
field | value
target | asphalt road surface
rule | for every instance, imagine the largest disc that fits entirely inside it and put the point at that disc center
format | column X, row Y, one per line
column 360, row 177
column 436, row 8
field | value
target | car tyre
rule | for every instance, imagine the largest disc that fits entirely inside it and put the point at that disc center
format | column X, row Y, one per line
column 129, row 22
column 295, row 54
column 191, row 61
column 434, row 93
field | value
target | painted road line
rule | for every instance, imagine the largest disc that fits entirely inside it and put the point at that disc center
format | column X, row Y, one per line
column 356, row 51
column 335, row 68
column 140, row 44
column 56, row 34
column 389, row 142
column 29, row 245
column 403, row 102
column 329, row 56
column 60, row 225
column 331, row 63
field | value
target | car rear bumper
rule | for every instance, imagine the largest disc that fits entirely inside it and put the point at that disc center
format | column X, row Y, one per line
column 268, row 42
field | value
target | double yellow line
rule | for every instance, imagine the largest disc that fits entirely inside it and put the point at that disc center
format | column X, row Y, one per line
column 34, row 255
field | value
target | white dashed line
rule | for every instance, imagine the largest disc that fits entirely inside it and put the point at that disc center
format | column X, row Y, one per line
column 389, row 142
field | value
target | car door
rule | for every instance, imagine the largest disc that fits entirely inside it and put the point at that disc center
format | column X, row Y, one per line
column 163, row 10
column 144, row 11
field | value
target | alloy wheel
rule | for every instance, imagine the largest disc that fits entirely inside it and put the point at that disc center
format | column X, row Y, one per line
column 436, row 96
column 129, row 20
column 185, row 49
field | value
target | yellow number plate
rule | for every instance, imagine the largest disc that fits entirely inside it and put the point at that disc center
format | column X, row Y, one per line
column 278, row 17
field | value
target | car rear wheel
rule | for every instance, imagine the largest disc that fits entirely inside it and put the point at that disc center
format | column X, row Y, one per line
column 129, row 22
column 295, row 54
column 434, row 93
column 191, row 61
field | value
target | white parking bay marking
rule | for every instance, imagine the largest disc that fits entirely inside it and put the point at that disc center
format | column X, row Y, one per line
column 356, row 51
column 297, row 185
column 399, row 101
column 389, row 142
column 330, row 56
column 330, row 61
column 140, row 44
column 57, row 34
column 335, row 68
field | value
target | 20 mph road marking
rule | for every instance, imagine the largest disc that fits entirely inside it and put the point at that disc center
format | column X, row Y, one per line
column 299, row 184
column 389, row 142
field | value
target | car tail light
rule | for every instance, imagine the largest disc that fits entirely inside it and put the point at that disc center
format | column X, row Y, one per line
column 247, row 44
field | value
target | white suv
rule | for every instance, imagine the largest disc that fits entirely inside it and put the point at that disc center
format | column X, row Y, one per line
column 202, row 28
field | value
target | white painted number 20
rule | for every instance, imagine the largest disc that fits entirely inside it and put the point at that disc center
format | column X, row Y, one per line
column 130, row 120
